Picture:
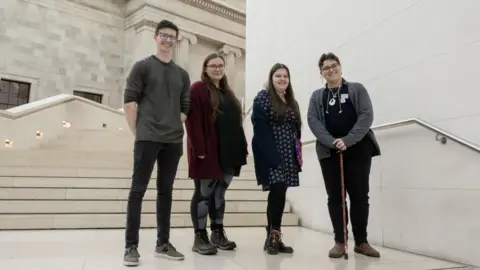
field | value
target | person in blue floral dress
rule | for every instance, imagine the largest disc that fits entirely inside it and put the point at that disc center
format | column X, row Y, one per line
column 276, row 149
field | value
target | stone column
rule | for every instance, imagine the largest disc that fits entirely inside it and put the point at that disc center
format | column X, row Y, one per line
column 144, row 44
column 231, row 53
column 182, row 49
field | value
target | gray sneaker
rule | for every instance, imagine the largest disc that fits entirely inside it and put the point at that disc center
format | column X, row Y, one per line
column 131, row 257
column 168, row 251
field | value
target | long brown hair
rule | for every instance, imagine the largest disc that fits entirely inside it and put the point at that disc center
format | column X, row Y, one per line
column 277, row 104
column 214, row 95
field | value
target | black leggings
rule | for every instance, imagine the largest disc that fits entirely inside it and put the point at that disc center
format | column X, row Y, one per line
column 276, row 205
column 209, row 200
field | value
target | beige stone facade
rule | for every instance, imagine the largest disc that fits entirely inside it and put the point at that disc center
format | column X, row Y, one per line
column 62, row 46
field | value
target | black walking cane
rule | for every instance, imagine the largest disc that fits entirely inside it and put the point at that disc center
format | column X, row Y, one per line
column 342, row 180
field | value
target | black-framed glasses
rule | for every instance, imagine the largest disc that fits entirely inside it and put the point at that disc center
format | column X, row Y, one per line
column 164, row 36
column 214, row 67
column 327, row 68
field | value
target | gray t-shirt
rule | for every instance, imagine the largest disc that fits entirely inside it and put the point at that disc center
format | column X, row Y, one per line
column 162, row 92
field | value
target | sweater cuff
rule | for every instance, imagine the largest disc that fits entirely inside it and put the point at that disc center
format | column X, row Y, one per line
column 348, row 141
column 185, row 110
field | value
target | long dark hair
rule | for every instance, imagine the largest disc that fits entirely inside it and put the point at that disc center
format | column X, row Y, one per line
column 277, row 103
column 214, row 95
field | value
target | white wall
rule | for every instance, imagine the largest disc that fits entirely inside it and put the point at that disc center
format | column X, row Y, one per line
column 417, row 58
column 423, row 196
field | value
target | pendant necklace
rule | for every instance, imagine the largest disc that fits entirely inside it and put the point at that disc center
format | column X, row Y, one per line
column 334, row 98
column 332, row 101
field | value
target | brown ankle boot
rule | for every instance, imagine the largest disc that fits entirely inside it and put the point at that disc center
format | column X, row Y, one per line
column 273, row 242
column 337, row 251
column 367, row 250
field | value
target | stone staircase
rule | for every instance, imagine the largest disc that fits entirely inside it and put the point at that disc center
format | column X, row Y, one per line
column 81, row 180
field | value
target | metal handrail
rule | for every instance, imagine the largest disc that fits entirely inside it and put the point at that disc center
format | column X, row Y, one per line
column 245, row 114
column 407, row 122
column 425, row 125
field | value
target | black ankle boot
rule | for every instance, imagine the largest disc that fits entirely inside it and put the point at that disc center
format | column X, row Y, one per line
column 219, row 238
column 202, row 244
column 273, row 242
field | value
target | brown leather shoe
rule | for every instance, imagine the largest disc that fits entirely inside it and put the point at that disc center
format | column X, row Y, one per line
column 337, row 251
column 367, row 250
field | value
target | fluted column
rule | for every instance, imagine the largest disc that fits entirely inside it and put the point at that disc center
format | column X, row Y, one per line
column 230, row 54
column 143, row 45
column 182, row 49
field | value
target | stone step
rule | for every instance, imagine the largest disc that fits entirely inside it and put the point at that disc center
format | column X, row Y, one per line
column 111, row 142
column 81, row 180
column 82, row 153
column 105, row 144
column 119, row 161
column 82, row 136
column 90, row 172
column 114, row 194
column 94, row 163
column 115, row 183
column 116, row 207
column 78, row 162
column 80, row 159
column 51, row 153
column 95, row 138
column 117, row 221
column 97, row 133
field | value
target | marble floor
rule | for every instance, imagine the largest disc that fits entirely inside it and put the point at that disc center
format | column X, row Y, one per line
column 103, row 250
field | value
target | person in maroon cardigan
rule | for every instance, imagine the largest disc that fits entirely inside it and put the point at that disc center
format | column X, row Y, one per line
column 217, row 149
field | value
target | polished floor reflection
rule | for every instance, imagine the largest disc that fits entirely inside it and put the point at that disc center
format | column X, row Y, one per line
column 103, row 250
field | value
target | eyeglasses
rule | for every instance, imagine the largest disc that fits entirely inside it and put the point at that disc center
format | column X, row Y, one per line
column 327, row 68
column 164, row 36
column 219, row 67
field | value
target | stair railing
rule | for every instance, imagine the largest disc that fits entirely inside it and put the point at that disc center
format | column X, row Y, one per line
column 441, row 136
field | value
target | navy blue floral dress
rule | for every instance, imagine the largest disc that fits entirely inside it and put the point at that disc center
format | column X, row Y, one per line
column 284, row 138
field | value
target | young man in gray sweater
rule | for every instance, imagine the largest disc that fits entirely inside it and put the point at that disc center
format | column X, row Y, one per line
column 156, row 103
column 340, row 116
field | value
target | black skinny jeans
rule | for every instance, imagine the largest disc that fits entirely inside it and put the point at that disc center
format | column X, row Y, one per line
column 167, row 157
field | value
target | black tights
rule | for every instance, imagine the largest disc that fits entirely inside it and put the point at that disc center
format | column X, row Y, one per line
column 276, row 205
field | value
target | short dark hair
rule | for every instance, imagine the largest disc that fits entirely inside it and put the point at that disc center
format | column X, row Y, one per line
column 328, row 56
column 166, row 24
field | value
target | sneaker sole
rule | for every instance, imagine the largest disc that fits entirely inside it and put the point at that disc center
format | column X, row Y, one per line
column 336, row 256
column 272, row 252
column 131, row 263
column 207, row 252
column 231, row 247
column 359, row 251
column 165, row 256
